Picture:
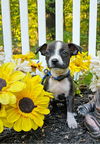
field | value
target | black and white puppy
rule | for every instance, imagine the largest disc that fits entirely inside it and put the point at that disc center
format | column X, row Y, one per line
column 60, row 83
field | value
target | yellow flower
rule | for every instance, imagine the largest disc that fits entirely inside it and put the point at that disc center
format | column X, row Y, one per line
column 9, row 83
column 27, row 56
column 35, row 66
column 3, row 120
column 31, row 105
column 1, row 126
column 80, row 63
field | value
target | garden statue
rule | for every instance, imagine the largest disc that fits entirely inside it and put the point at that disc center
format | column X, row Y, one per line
column 91, row 111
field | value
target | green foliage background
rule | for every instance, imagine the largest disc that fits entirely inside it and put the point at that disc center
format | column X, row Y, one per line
column 50, row 22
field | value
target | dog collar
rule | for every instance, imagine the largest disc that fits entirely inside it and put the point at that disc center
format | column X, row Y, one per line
column 59, row 78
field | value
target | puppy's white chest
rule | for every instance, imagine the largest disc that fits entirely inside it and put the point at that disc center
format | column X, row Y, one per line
column 59, row 87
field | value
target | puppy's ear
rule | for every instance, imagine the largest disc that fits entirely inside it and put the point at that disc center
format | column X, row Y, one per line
column 42, row 49
column 74, row 49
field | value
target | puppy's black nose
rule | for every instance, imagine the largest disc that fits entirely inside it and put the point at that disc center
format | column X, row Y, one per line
column 54, row 61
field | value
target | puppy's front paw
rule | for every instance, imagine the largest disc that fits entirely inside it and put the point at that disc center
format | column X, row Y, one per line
column 71, row 121
column 82, row 110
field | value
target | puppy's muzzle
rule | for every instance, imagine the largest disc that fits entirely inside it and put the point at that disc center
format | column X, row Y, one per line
column 54, row 61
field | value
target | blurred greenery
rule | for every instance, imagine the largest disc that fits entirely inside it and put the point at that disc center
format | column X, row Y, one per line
column 83, row 82
column 50, row 23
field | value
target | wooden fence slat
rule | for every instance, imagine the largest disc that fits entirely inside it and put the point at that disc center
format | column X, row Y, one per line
column 76, row 22
column 92, row 28
column 41, row 27
column 59, row 19
column 24, row 26
column 6, row 24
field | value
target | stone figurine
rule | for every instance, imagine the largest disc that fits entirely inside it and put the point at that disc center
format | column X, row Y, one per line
column 91, row 112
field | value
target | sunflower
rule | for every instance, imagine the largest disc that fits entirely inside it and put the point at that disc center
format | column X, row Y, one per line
column 27, row 56
column 80, row 63
column 3, row 120
column 31, row 105
column 36, row 65
column 9, row 83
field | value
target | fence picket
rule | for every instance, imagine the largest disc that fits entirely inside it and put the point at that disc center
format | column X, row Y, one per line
column 59, row 19
column 24, row 26
column 76, row 22
column 92, row 28
column 6, row 24
column 41, row 27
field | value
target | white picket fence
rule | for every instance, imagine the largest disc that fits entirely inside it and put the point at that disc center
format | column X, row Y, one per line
column 42, row 25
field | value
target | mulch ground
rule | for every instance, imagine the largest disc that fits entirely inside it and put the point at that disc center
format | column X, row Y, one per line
column 55, row 129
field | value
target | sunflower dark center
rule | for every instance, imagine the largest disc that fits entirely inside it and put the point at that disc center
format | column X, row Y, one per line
column 26, row 105
column 2, row 83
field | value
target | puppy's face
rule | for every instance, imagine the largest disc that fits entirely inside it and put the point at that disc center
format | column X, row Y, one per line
column 58, row 53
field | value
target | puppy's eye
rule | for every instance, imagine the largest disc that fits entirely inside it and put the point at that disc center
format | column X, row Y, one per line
column 47, row 53
column 64, row 52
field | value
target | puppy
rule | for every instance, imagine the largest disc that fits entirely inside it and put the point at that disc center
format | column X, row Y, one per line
column 59, row 82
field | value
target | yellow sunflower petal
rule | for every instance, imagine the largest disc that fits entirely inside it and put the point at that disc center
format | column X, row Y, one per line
column 7, row 69
column 37, row 91
column 27, row 77
column 12, row 98
column 43, row 105
column 18, row 75
column 18, row 125
column 4, row 98
column 48, row 94
column 42, row 100
column 42, row 110
column 36, row 79
column 1, row 126
column 7, row 98
column 16, row 86
column 6, row 123
column 34, row 125
column 12, row 115
column 16, row 56
column 2, row 111
column 38, row 119
column 26, row 124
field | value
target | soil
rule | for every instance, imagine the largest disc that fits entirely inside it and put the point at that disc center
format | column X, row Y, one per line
column 55, row 129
